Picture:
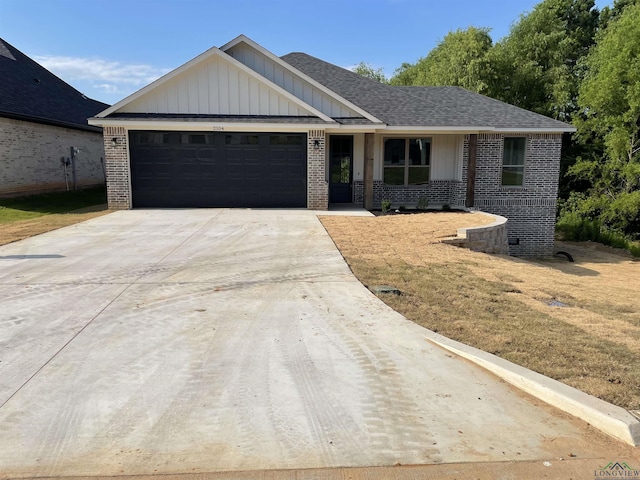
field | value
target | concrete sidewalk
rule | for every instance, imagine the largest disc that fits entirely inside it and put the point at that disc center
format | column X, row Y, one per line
column 187, row 341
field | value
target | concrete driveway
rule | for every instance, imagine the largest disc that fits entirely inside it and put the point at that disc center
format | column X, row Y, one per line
column 182, row 341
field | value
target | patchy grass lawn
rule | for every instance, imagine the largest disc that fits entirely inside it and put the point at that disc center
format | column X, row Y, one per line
column 501, row 304
column 22, row 217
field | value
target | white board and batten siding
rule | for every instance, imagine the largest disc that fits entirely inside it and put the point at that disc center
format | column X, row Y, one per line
column 446, row 157
column 293, row 84
column 215, row 87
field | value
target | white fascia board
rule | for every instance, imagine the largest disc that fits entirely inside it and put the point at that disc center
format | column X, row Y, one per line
column 203, row 56
column 295, row 71
column 567, row 129
column 474, row 129
column 426, row 129
column 345, row 129
column 169, row 125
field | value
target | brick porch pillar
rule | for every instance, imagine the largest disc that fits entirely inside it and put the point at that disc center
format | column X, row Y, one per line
column 317, row 185
column 116, row 162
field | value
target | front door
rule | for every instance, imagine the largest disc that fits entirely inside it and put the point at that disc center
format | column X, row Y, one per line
column 340, row 168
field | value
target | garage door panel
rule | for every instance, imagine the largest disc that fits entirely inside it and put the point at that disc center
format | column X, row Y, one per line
column 196, row 169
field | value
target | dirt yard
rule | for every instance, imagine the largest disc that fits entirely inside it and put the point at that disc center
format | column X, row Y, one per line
column 576, row 322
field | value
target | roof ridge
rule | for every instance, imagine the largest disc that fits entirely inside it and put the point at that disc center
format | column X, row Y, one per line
column 346, row 70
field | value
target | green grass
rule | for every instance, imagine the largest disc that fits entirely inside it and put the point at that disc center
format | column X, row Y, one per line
column 33, row 206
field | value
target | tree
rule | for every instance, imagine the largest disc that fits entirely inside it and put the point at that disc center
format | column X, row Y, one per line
column 610, row 106
column 366, row 70
column 611, row 13
column 458, row 60
column 405, row 74
column 538, row 65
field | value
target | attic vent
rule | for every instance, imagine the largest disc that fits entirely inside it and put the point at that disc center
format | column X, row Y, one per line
column 36, row 81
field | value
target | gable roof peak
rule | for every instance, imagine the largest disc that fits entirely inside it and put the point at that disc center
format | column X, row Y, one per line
column 200, row 59
column 300, row 74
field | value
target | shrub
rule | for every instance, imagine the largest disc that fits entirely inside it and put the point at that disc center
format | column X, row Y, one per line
column 573, row 227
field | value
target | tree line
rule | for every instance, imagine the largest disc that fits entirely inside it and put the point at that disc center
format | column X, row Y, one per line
column 570, row 61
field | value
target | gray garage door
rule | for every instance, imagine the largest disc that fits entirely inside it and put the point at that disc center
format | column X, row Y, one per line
column 218, row 169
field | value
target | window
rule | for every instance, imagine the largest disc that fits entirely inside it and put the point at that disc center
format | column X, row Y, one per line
column 285, row 140
column 172, row 138
column 406, row 161
column 241, row 139
column 513, row 161
column 197, row 139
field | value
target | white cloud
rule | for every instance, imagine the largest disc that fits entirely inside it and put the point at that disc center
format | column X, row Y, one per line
column 111, row 89
column 108, row 76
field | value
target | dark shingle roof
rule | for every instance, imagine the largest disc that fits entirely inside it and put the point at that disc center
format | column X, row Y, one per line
column 30, row 92
column 420, row 106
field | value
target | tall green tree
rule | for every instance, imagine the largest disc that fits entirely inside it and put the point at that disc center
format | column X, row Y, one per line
column 538, row 65
column 610, row 13
column 367, row 70
column 459, row 60
column 610, row 105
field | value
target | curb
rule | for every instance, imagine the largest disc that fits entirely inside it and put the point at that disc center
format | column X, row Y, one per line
column 608, row 418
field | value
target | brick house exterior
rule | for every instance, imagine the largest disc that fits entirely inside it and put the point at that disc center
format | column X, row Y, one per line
column 41, row 119
column 238, row 126
column 531, row 209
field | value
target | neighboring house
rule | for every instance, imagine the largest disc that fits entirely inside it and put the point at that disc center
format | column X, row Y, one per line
column 240, row 127
column 42, row 119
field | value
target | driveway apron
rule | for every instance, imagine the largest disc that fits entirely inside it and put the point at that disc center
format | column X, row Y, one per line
column 185, row 341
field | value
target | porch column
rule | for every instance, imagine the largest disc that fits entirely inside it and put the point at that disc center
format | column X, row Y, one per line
column 471, row 170
column 368, row 171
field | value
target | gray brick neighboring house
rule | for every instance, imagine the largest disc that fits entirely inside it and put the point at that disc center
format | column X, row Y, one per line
column 41, row 119
column 238, row 126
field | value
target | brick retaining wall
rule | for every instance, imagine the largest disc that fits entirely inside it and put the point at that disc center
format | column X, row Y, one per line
column 490, row 238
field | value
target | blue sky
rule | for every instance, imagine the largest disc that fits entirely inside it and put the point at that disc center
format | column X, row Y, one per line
column 108, row 49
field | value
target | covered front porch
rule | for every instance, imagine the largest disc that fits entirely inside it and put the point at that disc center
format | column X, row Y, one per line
column 406, row 168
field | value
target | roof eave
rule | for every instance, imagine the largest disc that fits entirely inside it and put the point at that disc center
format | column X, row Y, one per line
column 565, row 129
column 49, row 121
column 477, row 129
column 142, row 124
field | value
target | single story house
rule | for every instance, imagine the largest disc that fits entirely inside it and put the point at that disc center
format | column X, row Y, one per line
column 238, row 126
column 46, row 143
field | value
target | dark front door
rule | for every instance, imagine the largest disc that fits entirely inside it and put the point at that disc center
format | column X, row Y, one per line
column 341, row 168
